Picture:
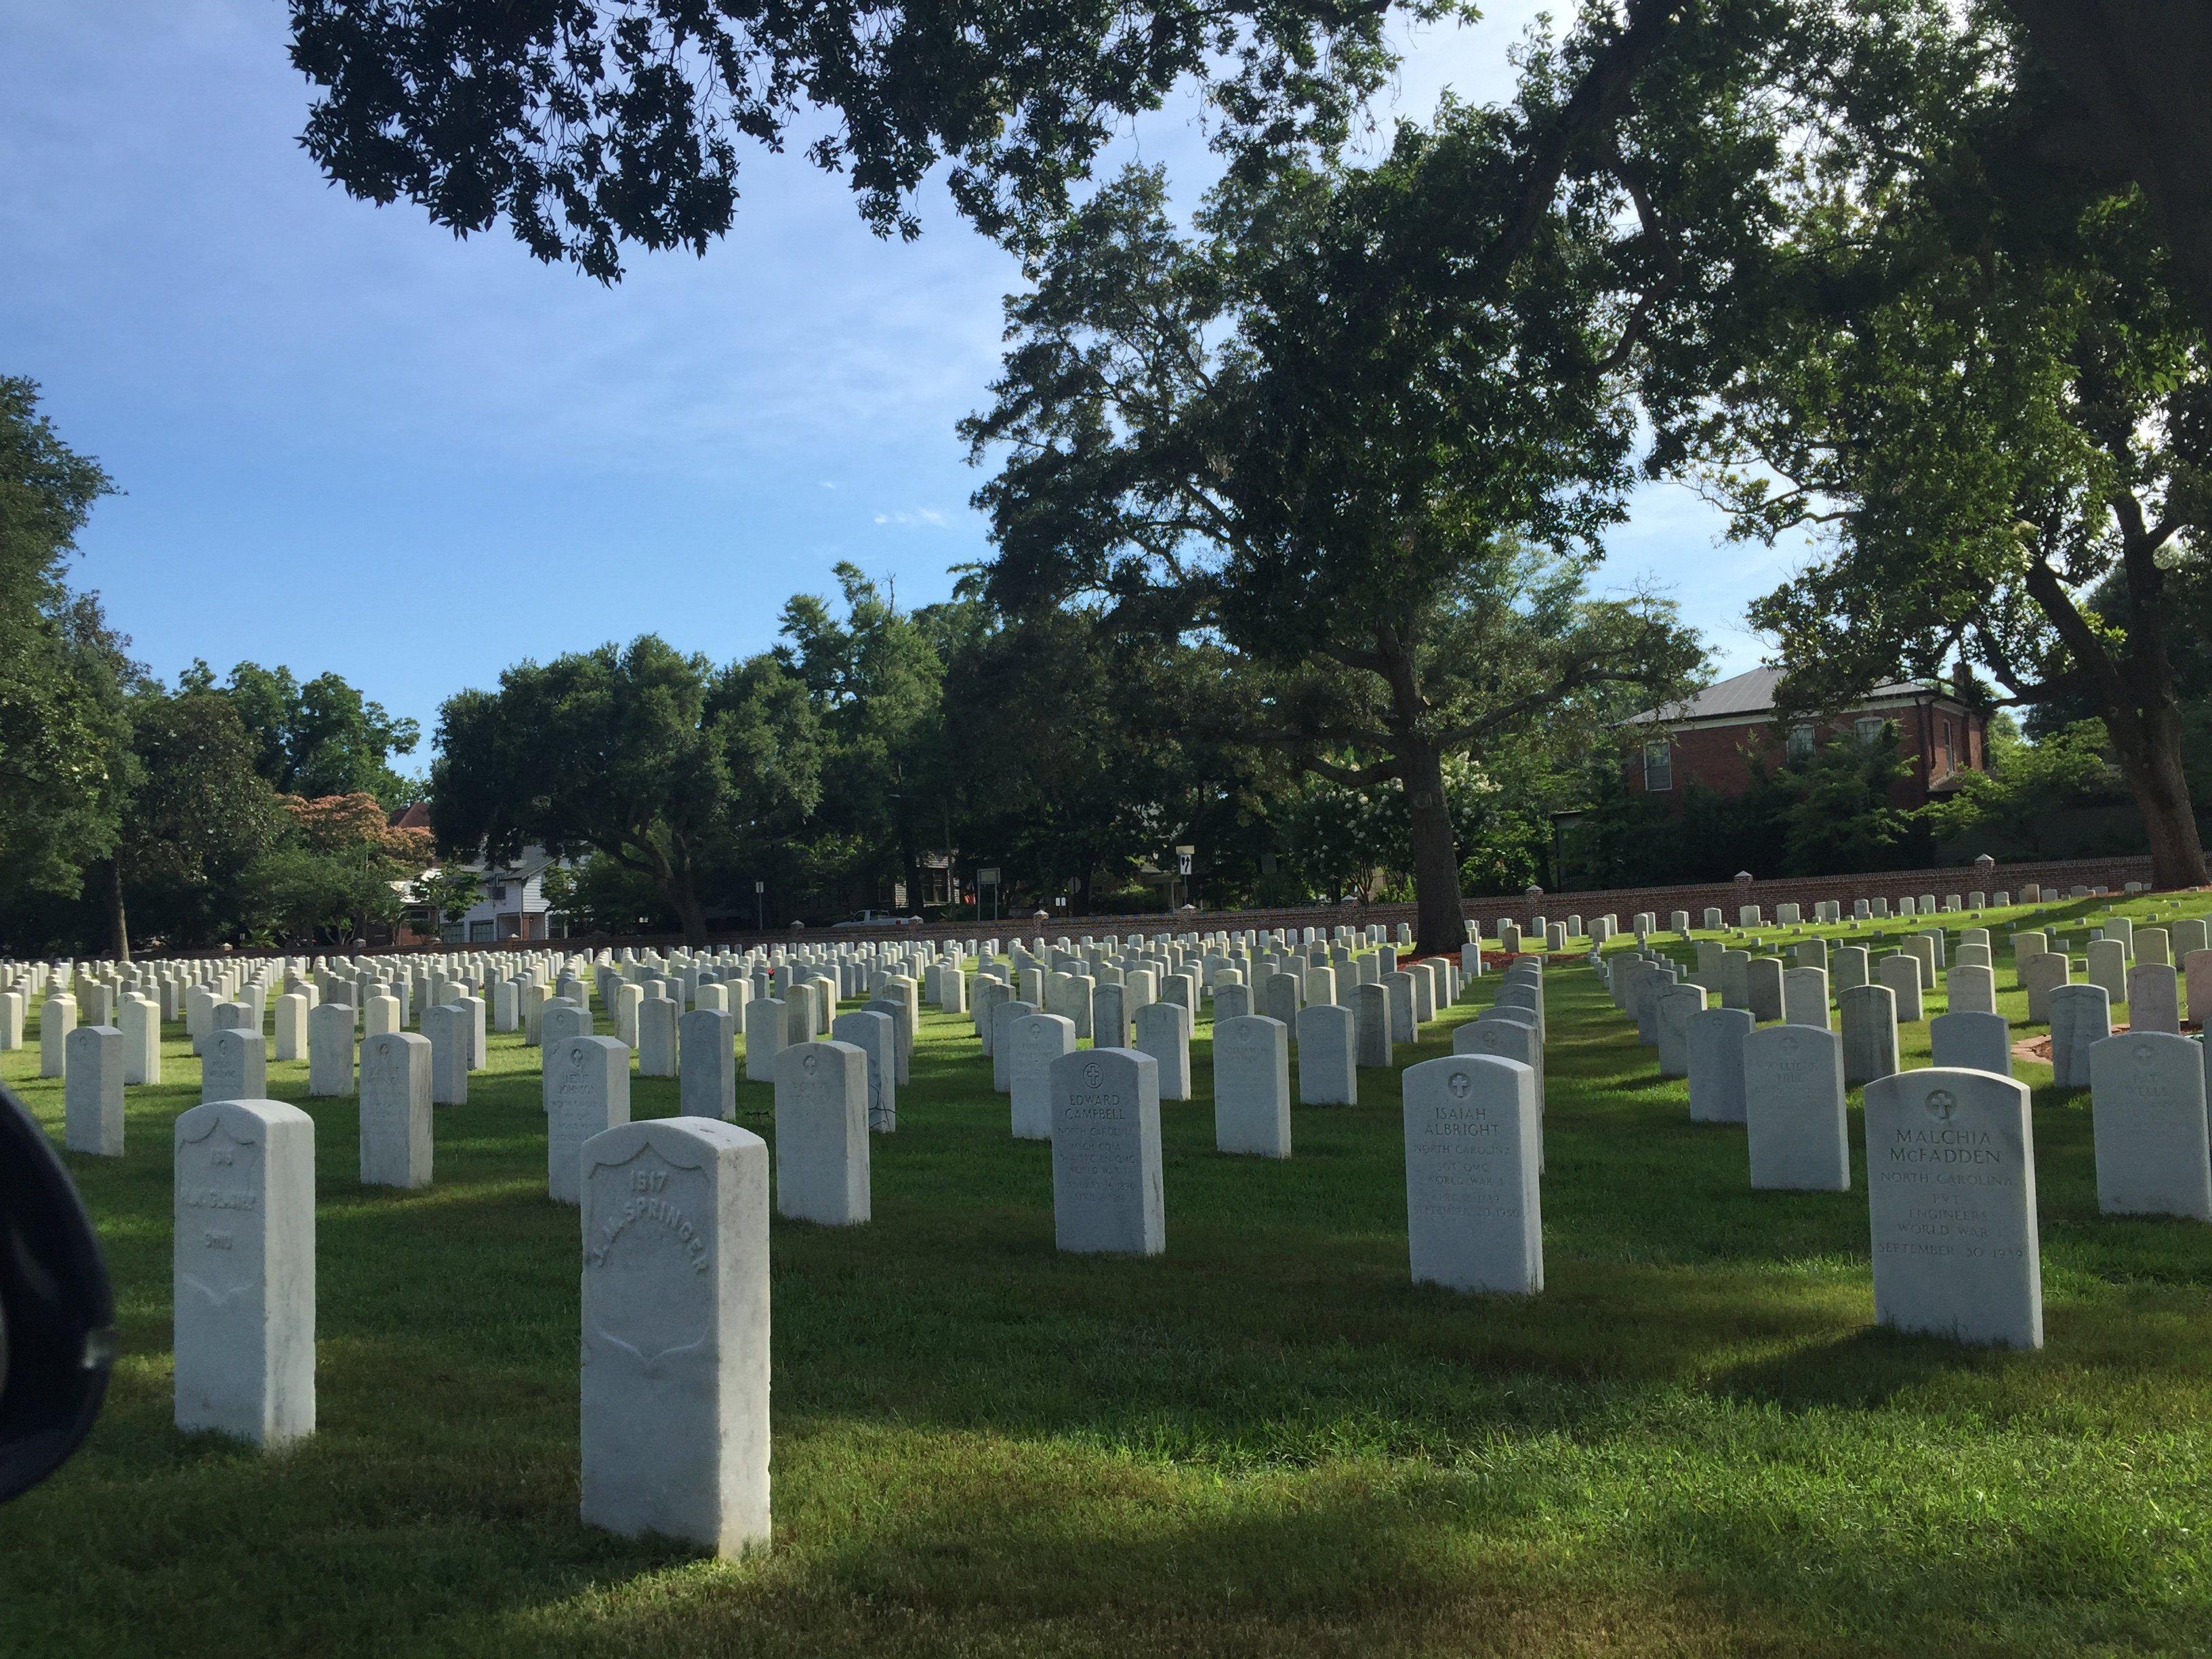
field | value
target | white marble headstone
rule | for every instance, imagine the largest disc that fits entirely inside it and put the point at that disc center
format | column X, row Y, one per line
column 1951, row 1192
column 1106, row 1193
column 244, row 1277
column 674, row 1420
column 1473, row 1218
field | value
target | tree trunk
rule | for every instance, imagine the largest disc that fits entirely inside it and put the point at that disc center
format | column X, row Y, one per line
column 1439, row 924
column 118, row 925
column 2148, row 747
column 910, row 859
column 2135, row 697
column 683, row 899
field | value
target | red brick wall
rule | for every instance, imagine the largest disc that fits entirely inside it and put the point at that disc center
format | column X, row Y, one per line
column 1719, row 758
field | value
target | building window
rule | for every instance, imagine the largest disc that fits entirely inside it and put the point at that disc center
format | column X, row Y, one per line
column 480, row 932
column 1658, row 765
column 1870, row 729
column 498, row 890
column 1944, row 747
column 1800, row 746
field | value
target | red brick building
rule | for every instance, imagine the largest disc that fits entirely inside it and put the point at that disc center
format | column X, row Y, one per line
column 1711, row 738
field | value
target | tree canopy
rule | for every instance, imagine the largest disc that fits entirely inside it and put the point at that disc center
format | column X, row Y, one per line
column 63, row 674
column 1324, row 428
column 663, row 763
column 1985, row 389
column 320, row 738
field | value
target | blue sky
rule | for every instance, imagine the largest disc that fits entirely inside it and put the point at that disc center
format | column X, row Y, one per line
column 351, row 441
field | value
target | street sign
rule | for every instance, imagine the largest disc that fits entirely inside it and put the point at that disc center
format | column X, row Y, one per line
column 988, row 876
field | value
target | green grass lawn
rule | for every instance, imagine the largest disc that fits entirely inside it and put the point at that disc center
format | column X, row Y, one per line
column 1266, row 1442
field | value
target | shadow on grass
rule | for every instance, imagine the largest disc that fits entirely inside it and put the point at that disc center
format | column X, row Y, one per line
column 1858, row 1370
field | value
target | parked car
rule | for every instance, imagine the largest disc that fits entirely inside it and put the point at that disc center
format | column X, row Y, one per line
column 879, row 919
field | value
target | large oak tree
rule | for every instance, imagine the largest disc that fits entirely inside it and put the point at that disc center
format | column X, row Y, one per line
column 1324, row 428
column 666, row 765
column 1981, row 382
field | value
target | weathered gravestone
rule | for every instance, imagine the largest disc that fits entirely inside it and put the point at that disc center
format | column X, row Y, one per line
column 1763, row 980
column 447, row 1030
column 1805, row 997
column 1972, row 990
column 1675, row 1007
column 822, row 1134
column 875, row 1034
column 289, row 1026
column 587, row 1093
column 396, row 1145
column 329, row 1049
column 2146, row 1105
column 233, row 1066
column 2154, row 998
column 1038, row 1043
column 2040, row 975
column 1473, row 1217
column 1106, row 1194
column 563, row 1019
column 766, row 1026
column 1525, row 992
column 1164, row 1032
column 1951, row 1192
column 1109, row 1016
column 1004, row 1018
column 1870, row 1026
column 480, row 1039
column 57, row 1020
column 1327, row 1076
column 243, row 1288
column 1902, row 973
column 656, row 1042
column 989, row 994
column 1398, row 993
column 1735, row 979
column 1280, row 995
column 674, row 1418
column 2108, row 968
column 1252, row 1086
column 1509, row 1034
column 141, row 1019
column 92, row 1095
column 1971, row 1041
column 1370, row 1010
column 2196, row 966
column 707, row 1062
column 1793, row 1090
column 2080, row 1018
column 1853, row 968
column 1717, row 1038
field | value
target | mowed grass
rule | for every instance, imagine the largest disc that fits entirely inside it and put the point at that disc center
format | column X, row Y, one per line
column 1266, row 1442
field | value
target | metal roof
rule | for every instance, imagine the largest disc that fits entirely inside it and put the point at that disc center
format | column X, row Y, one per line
column 1742, row 696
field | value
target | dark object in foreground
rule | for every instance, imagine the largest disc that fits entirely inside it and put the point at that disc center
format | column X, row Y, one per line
column 57, row 1312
